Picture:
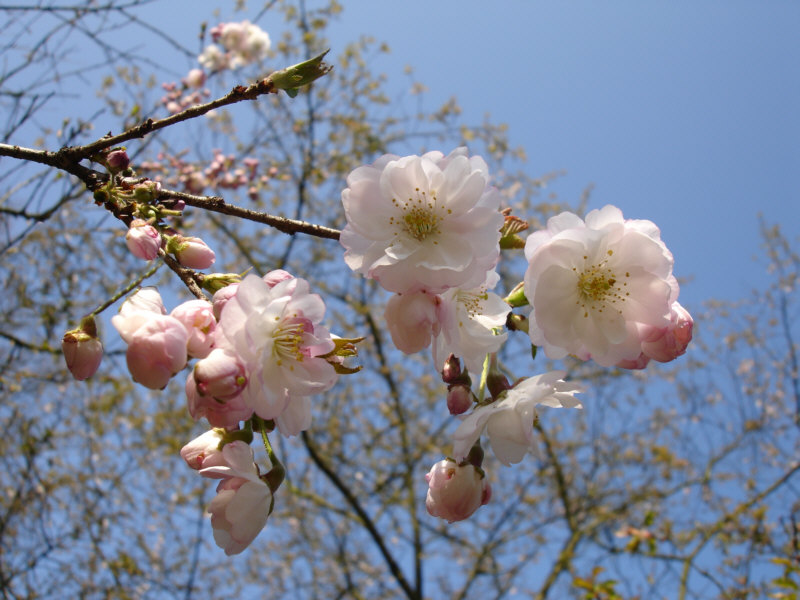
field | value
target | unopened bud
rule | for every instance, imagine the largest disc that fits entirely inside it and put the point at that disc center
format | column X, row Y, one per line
column 452, row 369
column 82, row 350
column 459, row 399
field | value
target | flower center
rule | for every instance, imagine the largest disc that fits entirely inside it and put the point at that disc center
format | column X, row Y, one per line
column 419, row 217
column 473, row 301
column 599, row 288
column 288, row 341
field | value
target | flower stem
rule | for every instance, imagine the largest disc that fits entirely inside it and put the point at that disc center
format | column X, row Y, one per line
column 149, row 273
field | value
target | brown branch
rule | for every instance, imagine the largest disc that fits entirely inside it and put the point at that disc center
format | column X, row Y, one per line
column 217, row 204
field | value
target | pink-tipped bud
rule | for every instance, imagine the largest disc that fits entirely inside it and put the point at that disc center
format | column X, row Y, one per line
column 192, row 252
column 82, row 350
column 143, row 240
column 455, row 492
column 220, row 375
column 204, row 451
column 227, row 414
column 459, row 399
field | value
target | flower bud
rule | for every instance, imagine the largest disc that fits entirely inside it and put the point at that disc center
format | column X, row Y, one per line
column 220, row 375
column 455, row 492
column 117, row 160
column 204, row 451
column 157, row 351
column 228, row 413
column 143, row 240
column 192, row 252
column 83, row 352
column 451, row 370
column 459, row 399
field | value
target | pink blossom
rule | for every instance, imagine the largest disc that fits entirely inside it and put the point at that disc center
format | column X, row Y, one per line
column 136, row 311
column 595, row 284
column 472, row 322
column 426, row 222
column 412, row 320
column 276, row 333
column 204, row 451
column 197, row 316
column 194, row 253
column 83, row 353
column 243, row 502
column 455, row 492
column 143, row 240
column 668, row 343
column 225, row 411
column 157, row 351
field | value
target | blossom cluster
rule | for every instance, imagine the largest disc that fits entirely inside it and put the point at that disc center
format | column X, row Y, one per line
column 236, row 45
column 428, row 230
column 262, row 353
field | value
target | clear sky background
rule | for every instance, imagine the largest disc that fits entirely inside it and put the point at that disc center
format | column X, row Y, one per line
column 684, row 113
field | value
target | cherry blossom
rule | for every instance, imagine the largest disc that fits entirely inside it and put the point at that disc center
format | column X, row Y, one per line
column 275, row 332
column 243, row 502
column 509, row 420
column 426, row 222
column 470, row 323
column 594, row 284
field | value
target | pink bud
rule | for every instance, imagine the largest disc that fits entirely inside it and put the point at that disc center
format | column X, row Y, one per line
column 82, row 350
column 156, row 351
column 143, row 240
column 220, row 375
column 204, row 451
column 455, row 492
column 459, row 399
column 197, row 316
column 666, row 344
column 451, row 370
column 227, row 414
column 194, row 253
column 117, row 160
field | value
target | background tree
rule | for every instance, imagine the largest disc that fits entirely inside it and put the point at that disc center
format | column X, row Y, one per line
column 673, row 482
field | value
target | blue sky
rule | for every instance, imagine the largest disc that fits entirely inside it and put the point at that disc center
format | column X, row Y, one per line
column 684, row 113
